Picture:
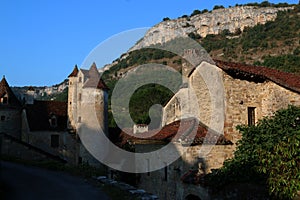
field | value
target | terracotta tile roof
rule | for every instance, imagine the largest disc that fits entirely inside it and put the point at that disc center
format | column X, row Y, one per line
column 171, row 131
column 74, row 72
column 38, row 115
column 284, row 79
column 5, row 89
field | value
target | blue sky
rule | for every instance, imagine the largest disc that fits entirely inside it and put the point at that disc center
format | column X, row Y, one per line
column 42, row 40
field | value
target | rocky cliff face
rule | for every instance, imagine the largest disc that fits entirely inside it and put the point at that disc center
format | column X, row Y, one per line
column 209, row 23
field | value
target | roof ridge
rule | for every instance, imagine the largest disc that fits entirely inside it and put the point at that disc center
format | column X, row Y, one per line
column 284, row 79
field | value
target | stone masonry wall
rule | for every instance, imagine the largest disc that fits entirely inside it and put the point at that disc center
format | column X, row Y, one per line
column 11, row 124
column 172, row 187
column 266, row 97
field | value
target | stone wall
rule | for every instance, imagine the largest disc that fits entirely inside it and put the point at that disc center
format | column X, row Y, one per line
column 266, row 97
column 12, row 147
column 167, row 183
column 72, row 102
column 10, row 122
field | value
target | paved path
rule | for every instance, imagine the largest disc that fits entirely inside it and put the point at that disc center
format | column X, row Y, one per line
column 31, row 183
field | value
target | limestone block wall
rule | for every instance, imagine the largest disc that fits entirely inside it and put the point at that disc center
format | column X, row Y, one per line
column 199, row 86
column 276, row 97
column 10, row 122
column 99, row 99
column 166, row 182
column 66, row 150
column 9, row 146
column 72, row 102
column 204, row 98
column 266, row 97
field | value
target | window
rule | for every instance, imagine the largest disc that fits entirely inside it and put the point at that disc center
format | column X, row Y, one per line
column 5, row 100
column 79, row 119
column 79, row 98
column 2, row 118
column 80, row 79
column 53, row 121
column 54, row 141
column 166, row 173
column 251, row 116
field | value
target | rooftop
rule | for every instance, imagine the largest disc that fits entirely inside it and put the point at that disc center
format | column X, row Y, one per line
column 178, row 131
column 6, row 90
column 284, row 79
column 39, row 115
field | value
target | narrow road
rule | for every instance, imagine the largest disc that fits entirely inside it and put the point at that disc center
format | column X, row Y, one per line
column 31, row 183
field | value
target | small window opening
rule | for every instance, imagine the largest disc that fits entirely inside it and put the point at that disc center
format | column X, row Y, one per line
column 251, row 116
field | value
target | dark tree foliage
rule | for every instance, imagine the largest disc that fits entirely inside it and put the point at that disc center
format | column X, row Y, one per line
column 268, row 152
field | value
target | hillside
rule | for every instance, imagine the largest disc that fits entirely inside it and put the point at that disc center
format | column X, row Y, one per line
column 274, row 43
column 203, row 23
column 253, row 34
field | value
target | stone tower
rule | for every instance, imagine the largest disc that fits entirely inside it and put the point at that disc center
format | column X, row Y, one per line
column 86, row 86
column 10, row 111
column 30, row 95
column 72, row 98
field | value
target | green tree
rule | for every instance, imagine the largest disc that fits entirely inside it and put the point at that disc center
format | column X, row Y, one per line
column 268, row 152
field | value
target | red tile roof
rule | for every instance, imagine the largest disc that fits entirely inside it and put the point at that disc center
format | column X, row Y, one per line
column 39, row 113
column 171, row 131
column 74, row 72
column 5, row 89
column 284, row 79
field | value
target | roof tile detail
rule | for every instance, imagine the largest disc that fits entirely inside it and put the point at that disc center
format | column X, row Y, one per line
column 171, row 132
column 284, row 79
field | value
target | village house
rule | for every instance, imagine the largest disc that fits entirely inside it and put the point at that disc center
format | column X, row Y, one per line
column 249, row 94
column 47, row 129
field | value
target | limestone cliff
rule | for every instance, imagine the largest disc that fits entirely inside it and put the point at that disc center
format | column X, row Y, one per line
column 213, row 22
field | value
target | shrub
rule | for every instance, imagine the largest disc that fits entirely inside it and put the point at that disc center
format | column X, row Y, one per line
column 268, row 151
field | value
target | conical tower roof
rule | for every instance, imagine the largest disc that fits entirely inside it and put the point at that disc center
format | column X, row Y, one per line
column 74, row 72
column 6, row 90
column 94, row 77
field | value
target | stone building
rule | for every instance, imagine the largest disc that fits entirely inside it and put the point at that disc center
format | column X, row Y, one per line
column 226, row 94
column 51, row 127
column 10, row 111
column 86, row 88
